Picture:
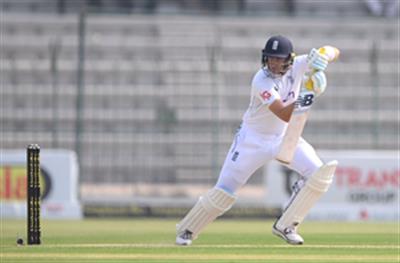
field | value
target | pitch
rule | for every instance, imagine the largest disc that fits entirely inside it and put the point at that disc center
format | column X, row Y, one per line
column 152, row 240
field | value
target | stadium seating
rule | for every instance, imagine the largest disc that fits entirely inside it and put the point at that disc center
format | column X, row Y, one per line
column 163, row 95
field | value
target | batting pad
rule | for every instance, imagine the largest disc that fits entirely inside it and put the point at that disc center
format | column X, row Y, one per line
column 211, row 205
column 315, row 187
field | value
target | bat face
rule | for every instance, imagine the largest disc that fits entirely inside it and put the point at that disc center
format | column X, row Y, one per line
column 292, row 136
column 295, row 127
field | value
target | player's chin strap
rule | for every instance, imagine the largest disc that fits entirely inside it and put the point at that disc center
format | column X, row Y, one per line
column 289, row 63
column 211, row 205
column 309, row 194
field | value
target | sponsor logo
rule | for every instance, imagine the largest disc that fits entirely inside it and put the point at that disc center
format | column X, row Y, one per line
column 13, row 183
column 290, row 95
column 354, row 177
column 266, row 95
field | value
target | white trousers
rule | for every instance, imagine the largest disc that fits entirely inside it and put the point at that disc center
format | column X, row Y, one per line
column 251, row 150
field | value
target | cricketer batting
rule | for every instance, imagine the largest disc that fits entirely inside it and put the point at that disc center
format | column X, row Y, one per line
column 276, row 90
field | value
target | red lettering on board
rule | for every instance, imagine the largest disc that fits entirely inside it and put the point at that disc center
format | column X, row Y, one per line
column 353, row 177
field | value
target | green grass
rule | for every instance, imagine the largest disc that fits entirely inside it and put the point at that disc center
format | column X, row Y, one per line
column 152, row 240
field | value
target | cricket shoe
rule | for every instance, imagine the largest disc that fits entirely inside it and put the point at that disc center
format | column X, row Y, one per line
column 184, row 239
column 288, row 234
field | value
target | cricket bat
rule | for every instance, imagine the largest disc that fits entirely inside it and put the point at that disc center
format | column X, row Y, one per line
column 299, row 117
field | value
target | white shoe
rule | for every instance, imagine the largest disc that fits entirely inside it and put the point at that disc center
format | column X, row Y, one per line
column 184, row 239
column 288, row 234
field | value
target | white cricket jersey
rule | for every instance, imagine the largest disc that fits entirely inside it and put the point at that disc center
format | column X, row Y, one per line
column 265, row 89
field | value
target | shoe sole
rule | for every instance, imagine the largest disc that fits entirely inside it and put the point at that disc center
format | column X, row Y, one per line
column 182, row 242
column 278, row 233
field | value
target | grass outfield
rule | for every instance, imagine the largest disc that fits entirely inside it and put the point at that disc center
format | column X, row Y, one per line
column 152, row 240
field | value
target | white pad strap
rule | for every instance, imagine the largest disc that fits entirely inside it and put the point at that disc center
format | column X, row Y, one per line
column 211, row 205
column 305, row 199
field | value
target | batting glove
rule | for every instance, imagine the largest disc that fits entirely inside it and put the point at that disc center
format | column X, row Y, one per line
column 319, row 82
column 317, row 61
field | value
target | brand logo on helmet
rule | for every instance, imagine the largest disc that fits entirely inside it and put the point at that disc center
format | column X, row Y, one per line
column 275, row 45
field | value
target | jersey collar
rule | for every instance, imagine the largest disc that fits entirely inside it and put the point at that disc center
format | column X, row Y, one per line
column 271, row 75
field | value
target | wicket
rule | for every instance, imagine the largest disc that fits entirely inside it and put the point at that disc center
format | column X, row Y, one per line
column 33, row 194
